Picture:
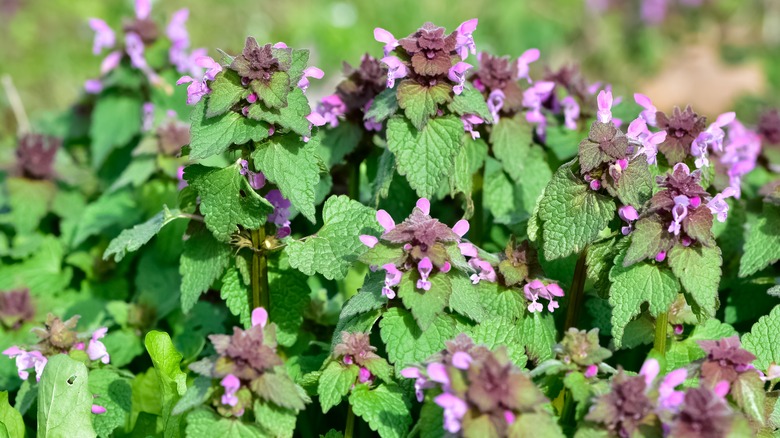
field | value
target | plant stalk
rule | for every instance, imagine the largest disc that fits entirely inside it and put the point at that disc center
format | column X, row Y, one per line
column 661, row 331
column 577, row 294
column 349, row 430
column 477, row 221
column 260, row 295
column 354, row 181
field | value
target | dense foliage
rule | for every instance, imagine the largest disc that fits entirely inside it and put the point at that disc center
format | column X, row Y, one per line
column 447, row 244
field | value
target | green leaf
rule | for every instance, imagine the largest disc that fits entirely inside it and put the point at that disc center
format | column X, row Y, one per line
column 650, row 283
column 132, row 239
column 172, row 382
column 469, row 160
column 485, row 300
column 420, row 102
column 196, row 395
column 562, row 141
column 647, row 239
column 500, row 331
column 29, row 201
column 117, row 209
column 281, row 390
column 114, row 393
column 338, row 142
column 748, row 392
column 368, row 298
column 291, row 116
column 764, row 340
column 512, row 140
column 471, row 101
column 291, row 164
column 335, row 381
column 275, row 421
column 684, row 352
column 42, row 273
column 298, row 61
column 500, row 195
column 385, row 105
column 380, row 187
column 205, row 423
column 635, row 185
column 336, row 246
column 406, row 343
column 762, row 241
column 227, row 200
column 425, row 306
column 357, row 323
column 539, row 336
column 236, row 295
column 572, row 215
column 384, row 408
column 203, row 260
column 599, row 261
column 699, row 272
column 116, row 119
column 10, row 418
column 536, row 425
column 289, row 296
column 140, row 169
column 213, row 136
column 64, row 400
column 581, row 391
column 226, row 91
column 274, row 92
column 426, row 157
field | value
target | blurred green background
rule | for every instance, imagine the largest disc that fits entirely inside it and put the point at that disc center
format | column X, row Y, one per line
column 717, row 56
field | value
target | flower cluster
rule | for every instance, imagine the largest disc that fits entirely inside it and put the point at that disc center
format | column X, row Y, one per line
column 355, row 94
column 652, row 12
column 16, row 308
column 581, row 349
column 141, row 33
column 35, row 156
column 246, row 364
column 475, row 385
column 497, row 78
column 420, row 242
column 356, row 349
column 648, row 405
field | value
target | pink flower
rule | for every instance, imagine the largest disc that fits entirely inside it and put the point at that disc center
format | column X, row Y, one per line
column 364, row 375
column 424, row 267
column 591, row 371
column 26, row 360
column 647, row 141
column 420, row 383
column 259, row 317
column 310, row 72
column 454, row 410
column 741, row 151
column 649, row 371
column 461, row 360
column 331, row 108
column 571, row 112
column 718, row 205
column 461, row 227
column 396, row 69
column 96, row 350
column 495, row 102
column 661, row 256
column 97, row 409
column 535, row 289
column 457, row 74
column 464, row 41
column 281, row 215
column 629, row 215
column 176, row 30
column 392, row 279
column 469, row 121
column 523, row 63
column 110, row 62
column 668, row 398
column 385, row 220
column 369, row 241
column 93, row 86
column 386, row 37
column 605, row 106
column 212, row 67
column 231, row 385
column 484, row 270
column 143, row 8
column 104, row 35
column 679, row 212
column 147, row 117
column 650, row 110
column 712, row 138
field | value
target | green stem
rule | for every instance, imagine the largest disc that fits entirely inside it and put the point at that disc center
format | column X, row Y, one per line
column 260, row 296
column 354, row 181
column 350, row 428
column 661, row 329
column 577, row 294
column 477, row 221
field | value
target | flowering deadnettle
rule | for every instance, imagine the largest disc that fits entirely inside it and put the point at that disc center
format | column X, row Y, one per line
column 35, row 156
column 682, row 128
column 726, row 360
column 422, row 242
column 581, row 348
column 16, row 308
column 247, row 363
column 478, row 387
column 355, row 94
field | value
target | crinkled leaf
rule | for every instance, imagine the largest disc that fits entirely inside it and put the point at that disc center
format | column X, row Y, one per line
column 512, row 140
column 471, row 101
column 699, row 272
column 425, row 306
column 385, row 104
column 648, row 238
column 226, row 91
column 368, row 298
column 469, row 160
column 384, row 408
column 236, row 296
column 227, row 200
column 338, row 142
column 380, row 187
column 538, row 334
column 298, row 60
column 280, row 389
column 420, row 102
column 290, row 295
column 64, row 400
column 335, row 381
column 426, row 157
column 406, row 343
column 110, row 211
column 274, row 420
column 114, row 393
column 764, row 340
column 635, row 185
column 291, row 116
column 203, row 260
column 213, row 136
column 196, row 395
column 132, row 239
column 291, row 164
column 336, row 246
column 42, row 273
column 171, row 380
column 273, row 92
column 29, row 201
column 647, row 282
column 572, row 214
column 205, row 423
column 500, row 331
column 762, row 241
